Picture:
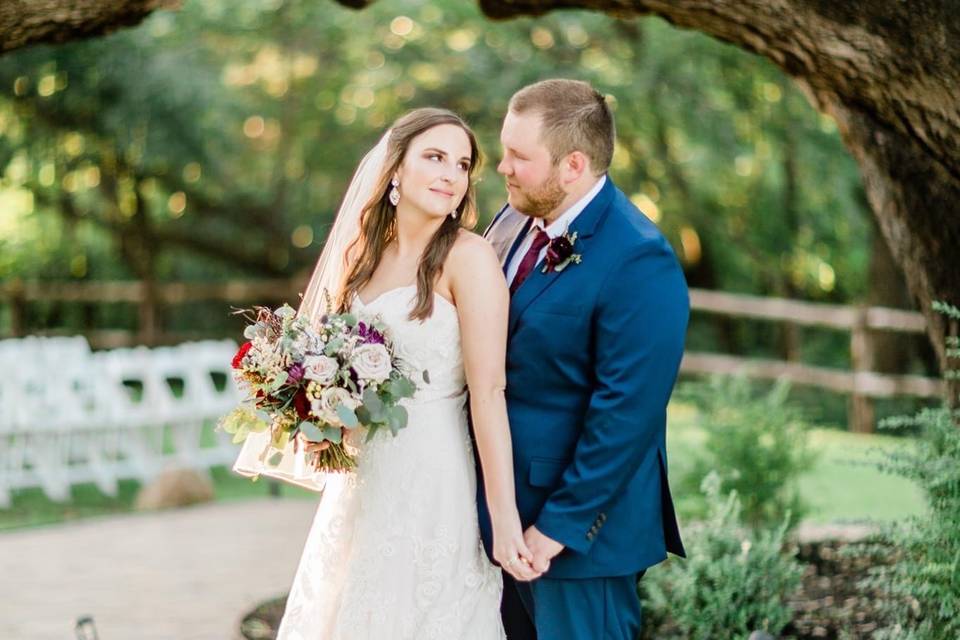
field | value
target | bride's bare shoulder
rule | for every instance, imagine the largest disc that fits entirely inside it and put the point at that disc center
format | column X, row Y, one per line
column 474, row 272
column 472, row 251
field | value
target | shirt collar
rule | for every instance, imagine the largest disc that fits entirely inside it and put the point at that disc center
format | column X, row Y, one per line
column 559, row 226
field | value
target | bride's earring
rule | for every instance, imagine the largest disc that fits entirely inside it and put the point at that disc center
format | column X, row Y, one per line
column 394, row 192
column 454, row 214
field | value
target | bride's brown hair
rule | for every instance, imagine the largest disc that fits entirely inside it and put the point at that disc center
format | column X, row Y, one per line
column 378, row 220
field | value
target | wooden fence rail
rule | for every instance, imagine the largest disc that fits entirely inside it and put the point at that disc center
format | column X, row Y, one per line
column 861, row 383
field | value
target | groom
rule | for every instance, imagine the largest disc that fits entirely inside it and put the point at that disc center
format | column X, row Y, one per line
column 598, row 315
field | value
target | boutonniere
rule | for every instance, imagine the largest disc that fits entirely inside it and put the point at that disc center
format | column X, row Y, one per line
column 560, row 253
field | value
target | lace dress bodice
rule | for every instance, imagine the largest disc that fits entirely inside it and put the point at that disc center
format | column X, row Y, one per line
column 432, row 346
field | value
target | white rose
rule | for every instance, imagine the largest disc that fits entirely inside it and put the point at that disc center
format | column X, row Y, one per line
column 371, row 362
column 320, row 369
column 325, row 407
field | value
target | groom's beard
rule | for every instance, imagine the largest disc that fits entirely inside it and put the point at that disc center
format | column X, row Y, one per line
column 543, row 200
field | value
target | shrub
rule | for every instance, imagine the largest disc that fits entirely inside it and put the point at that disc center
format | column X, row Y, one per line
column 920, row 592
column 734, row 580
column 756, row 442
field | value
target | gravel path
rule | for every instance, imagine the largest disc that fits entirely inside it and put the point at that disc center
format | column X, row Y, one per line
column 185, row 574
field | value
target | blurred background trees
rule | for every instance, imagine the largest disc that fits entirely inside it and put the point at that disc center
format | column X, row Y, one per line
column 214, row 142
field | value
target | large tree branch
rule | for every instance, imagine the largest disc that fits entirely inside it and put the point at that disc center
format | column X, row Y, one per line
column 899, row 61
column 24, row 22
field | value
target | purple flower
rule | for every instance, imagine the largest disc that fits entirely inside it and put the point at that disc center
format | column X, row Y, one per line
column 295, row 373
column 369, row 334
column 559, row 250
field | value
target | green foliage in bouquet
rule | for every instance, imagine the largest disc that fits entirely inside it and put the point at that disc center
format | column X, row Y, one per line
column 756, row 442
column 921, row 589
column 381, row 408
column 243, row 421
column 735, row 580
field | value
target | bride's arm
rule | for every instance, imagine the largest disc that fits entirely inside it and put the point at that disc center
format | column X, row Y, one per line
column 482, row 300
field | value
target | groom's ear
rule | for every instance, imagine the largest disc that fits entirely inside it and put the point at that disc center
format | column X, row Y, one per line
column 574, row 165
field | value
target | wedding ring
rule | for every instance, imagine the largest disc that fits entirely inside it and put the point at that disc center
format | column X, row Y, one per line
column 512, row 562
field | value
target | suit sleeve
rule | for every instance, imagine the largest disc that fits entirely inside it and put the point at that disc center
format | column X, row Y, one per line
column 640, row 324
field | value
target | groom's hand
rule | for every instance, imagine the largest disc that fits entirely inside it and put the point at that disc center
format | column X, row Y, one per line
column 544, row 549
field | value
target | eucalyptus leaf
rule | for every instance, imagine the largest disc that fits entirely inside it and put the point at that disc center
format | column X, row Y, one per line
column 363, row 415
column 347, row 416
column 333, row 434
column 333, row 347
column 373, row 404
column 397, row 418
column 312, row 432
column 275, row 459
column 278, row 382
column 403, row 388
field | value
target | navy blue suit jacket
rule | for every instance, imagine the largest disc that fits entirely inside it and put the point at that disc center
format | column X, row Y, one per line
column 593, row 354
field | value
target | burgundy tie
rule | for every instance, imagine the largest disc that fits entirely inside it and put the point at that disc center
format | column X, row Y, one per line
column 529, row 259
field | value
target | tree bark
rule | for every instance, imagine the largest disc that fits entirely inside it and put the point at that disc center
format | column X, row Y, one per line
column 892, row 352
column 24, row 22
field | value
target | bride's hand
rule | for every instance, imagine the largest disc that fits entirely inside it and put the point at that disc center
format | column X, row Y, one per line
column 312, row 447
column 510, row 551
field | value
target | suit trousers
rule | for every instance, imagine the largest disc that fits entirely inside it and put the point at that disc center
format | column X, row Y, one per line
column 572, row 609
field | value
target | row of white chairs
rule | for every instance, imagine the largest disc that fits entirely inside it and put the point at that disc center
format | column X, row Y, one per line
column 71, row 415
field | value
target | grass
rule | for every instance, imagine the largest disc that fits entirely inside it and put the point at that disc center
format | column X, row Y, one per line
column 843, row 486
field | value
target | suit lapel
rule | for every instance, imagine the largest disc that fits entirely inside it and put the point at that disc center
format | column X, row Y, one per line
column 495, row 220
column 585, row 225
column 506, row 234
column 524, row 230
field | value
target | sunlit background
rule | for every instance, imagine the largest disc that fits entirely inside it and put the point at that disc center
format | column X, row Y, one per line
column 212, row 144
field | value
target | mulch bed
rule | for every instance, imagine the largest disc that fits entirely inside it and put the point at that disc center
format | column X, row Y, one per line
column 829, row 606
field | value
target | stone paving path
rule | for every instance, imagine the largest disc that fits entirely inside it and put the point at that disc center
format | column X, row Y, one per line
column 184, row 574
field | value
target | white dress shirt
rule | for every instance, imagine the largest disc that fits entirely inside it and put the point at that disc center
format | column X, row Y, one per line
column 555, row 229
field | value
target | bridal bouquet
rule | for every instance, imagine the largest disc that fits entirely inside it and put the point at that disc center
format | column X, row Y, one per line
column 319, row 382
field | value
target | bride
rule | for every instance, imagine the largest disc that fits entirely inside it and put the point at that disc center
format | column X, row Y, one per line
column 394, row 550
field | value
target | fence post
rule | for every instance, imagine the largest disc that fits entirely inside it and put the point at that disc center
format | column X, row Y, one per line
column 861, row 416
column 147, row 313
column 18, row 308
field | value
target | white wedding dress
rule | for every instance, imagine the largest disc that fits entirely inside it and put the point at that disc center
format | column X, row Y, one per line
column 394, row 551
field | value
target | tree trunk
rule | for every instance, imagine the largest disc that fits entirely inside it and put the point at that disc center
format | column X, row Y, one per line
column 24, row 22
column 892, row 352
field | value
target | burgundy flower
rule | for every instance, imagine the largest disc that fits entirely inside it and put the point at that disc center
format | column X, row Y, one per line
column 560, row 253
column 559, row 250
column 302, row 404
column 238, row 359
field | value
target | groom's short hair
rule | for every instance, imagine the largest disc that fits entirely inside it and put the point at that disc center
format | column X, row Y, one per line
column 575, row 117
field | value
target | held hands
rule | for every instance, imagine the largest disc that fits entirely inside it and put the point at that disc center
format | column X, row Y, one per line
column 312, row 447
column 544, row 549
column 526, row 557
column 511, row 552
